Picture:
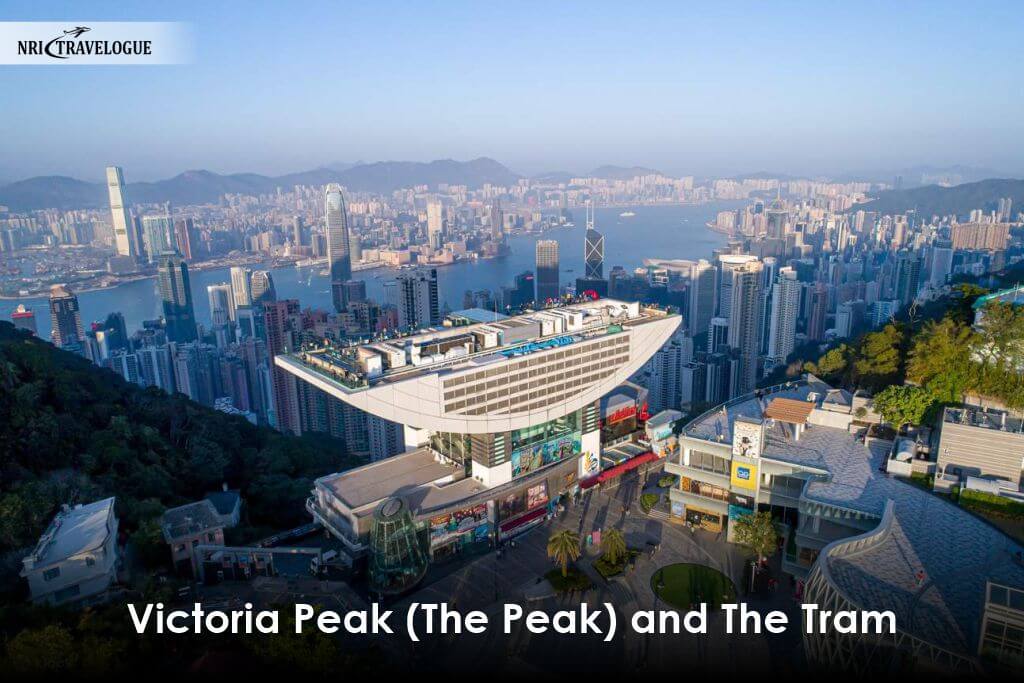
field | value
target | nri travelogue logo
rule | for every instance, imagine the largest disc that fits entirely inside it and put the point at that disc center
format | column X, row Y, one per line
column 68, row 45
column 117, row 42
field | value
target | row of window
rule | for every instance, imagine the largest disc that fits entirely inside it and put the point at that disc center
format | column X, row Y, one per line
column 571, row 389
column 537, row 389
column 521, row 370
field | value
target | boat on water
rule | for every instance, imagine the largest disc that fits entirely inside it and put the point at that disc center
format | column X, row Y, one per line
column 626, row 214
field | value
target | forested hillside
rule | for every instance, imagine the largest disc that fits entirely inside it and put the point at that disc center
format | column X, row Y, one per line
column 72, row 432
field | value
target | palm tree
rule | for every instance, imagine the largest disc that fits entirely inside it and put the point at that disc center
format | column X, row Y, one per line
column 613, row 544
column 563, row 548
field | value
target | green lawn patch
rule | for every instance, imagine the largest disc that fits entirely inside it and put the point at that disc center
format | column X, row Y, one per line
column 682, row 585
column 574, row 580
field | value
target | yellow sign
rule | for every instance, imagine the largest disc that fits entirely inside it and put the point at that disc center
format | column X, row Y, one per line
column 744, row 475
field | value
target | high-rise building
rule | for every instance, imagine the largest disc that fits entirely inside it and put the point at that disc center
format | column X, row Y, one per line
column 121, row 222
column 24, row 319
column 593, row 253
column 989, row 236
column 261, row 287
column 908, row 277
column 65, row 319
column 435, row 224
column 339, row 257
column 522, row 292
column 176, row 294
column 745, row 321
column 547, row 270
column 727, row 263
column 414, row 295
column 158, row 236
column 817, row 309
column 941, row 265
column 785, row 309
column 241, row 286
column 185, row 238
column 282, row 327
column 387, row 438
column 298, row 231
column 497, row 221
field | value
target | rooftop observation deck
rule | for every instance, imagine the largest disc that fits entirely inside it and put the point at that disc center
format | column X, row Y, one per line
column 449, row 349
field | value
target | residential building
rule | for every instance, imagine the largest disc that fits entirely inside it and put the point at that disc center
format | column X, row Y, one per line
column 76, row 558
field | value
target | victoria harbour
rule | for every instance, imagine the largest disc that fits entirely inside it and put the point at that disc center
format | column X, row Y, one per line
column 661, row 231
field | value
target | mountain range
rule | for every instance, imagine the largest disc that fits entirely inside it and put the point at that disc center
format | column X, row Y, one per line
column 202, row 187
column 936, row 200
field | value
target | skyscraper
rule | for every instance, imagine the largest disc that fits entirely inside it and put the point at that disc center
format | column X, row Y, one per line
column 65, row 319
column 261, row 287
column 435, row 224
column 817, row 308
column 339, row 259
column 547, row 270
column 121, row 222
column 414, row 295
column 185, row 237
column 785, row 309
column 159, row 236
column 282, row 325
column 745, row 322
column 176, row 292
column 593, row 254
column 241, row 287
column 497, row 221
column 523, row 291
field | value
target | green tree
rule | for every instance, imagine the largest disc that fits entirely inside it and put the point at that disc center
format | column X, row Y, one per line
column 878, row 359
column 940, row 359
column 613, row 545
column 901, row 405
column 563, row 548
column 757, row 532
column 1001, row 335
column 44, row 650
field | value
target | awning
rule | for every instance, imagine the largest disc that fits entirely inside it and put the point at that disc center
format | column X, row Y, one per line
column 525, row 519
column 619, row 470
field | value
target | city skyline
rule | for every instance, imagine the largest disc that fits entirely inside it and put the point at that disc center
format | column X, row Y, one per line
column 618, row 87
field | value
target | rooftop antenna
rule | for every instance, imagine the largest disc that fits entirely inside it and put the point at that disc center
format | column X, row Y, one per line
column 590, row 214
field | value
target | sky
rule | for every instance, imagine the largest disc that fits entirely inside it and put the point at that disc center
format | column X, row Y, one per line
column 810, row 88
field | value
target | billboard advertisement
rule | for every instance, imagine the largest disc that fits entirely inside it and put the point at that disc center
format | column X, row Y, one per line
column 530, row 458
column 461, row 522
column 515, row 504
column 744, row 476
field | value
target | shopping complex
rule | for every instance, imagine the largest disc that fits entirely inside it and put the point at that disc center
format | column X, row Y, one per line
column 503, row 420
column 861, row 539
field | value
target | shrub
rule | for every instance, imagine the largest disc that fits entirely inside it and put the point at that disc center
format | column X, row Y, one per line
column 649, row 500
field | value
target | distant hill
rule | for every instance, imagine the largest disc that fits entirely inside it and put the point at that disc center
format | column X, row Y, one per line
column 621, row 172
column 932, row 200
column 201, row 187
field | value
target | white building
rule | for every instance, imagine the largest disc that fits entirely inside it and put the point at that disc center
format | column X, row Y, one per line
column 75, row 560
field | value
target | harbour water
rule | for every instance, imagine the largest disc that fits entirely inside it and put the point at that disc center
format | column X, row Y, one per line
column 676, row 231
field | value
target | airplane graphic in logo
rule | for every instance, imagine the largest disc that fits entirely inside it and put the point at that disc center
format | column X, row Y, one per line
column 76, row 31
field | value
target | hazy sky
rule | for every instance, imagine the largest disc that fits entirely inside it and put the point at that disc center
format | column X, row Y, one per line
column 686, row 87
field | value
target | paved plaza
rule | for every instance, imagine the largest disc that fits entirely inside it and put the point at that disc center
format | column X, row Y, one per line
column 515, row 575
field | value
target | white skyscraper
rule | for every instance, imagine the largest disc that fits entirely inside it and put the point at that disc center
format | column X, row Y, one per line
column 435, row 224
column 785, row 309
column 121, row 222
column 241, row 286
